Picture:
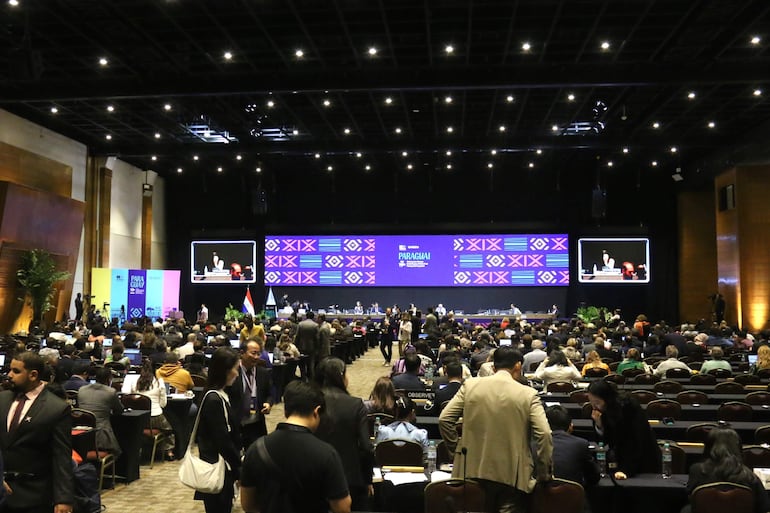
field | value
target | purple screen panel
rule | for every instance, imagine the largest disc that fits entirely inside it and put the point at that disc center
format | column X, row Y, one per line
column 418, row 260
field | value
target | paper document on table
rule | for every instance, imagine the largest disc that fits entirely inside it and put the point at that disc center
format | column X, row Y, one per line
column 399, row 478
column 440, row 476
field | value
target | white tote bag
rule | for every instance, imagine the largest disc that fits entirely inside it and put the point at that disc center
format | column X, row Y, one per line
column 201, row 475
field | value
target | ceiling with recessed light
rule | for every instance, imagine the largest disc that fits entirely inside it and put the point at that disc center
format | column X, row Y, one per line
column 191, row 86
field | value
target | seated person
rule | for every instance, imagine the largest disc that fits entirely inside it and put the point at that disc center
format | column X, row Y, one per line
column 410, row 380
column 716, row 362
column 79, row 376
column 402, row 428
column 672, row 353
column 454, row 371
column 556, row 367
column 171, row 372
column 383, row 397
column 102, row 400
column 117, row 356
column 572, row 459
column 287, row 347
column 724, row 463
column 594, row 361
column 631, row 361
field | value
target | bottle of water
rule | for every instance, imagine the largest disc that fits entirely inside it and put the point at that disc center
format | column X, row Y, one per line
column 429, row 372
column 431, row 467
column 376, row 427
column 601, row 459
column 666, row 461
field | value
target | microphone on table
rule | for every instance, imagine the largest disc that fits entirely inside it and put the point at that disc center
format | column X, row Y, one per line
column 464, row 450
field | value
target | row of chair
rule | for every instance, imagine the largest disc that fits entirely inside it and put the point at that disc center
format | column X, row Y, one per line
column 757, row 398
column 664, row 387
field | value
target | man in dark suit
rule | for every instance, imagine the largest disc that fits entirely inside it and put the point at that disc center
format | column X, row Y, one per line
column 307, row 341
column 453, row 370
column 572, row 458
column 35, row 442
column 250, row 394
column 410, row 379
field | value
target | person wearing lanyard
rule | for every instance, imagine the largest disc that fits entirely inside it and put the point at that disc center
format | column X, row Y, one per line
column 36, row 444
column 250, row 394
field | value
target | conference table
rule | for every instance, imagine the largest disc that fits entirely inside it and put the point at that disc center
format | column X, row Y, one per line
column 701, row 413
column 639, row 494
column 676, row 430
column 714, row 399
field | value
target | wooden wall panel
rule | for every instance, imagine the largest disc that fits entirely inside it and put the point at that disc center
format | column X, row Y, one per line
column 697, row 254
column 25, row 168
column 728, row 251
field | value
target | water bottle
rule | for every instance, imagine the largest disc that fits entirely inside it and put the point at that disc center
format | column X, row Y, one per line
column 666, row 461
column 376, row 427
column 277, row 355
column 601, row 459
column 429, row 372
column 431, row 467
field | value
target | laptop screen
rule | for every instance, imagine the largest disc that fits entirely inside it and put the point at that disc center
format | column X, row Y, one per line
column 752, row 359
column 134, row 356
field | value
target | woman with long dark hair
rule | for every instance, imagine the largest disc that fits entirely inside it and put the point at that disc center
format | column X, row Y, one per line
column 154, row 388
column 217, row 433
column 724, row 463
column 625, row 430
column 344, row 425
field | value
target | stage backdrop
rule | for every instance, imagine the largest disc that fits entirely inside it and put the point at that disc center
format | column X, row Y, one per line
column 127, row 293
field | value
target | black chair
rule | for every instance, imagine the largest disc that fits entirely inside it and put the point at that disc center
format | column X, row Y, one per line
column 721, row 373
column 703, row 379
column 756, row 456
column 153, row 435
column 678, row 372
column 668, row 387
column 720, row 497
column 560, row 386
column 758, row 398
column 763, row 373
column 645, row 379
column 747, row 379
column 618, row 379
column 443, row 456
column 398, row 453
column 692, row 397
column 762, row 435
column 644, row 396
column 633, row 372
column 72, row 397
column 596, row 372
column 578, row 396
column 735, row 411
column 662, row 408
column 84, row 442
column 586, row 410
column 729, row 387
column 699, row 432
column 385, row 419
column 558, row 496
column 465, row 496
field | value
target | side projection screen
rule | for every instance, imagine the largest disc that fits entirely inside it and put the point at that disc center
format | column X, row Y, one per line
column 417, row 260
column 614, row 260
column 223, row 261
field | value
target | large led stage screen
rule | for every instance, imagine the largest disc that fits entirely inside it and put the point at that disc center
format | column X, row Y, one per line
column 223, row 261
column 417, row 260
column 614, row 260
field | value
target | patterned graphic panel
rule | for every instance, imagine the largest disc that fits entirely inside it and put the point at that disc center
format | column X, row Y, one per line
column 418, row 260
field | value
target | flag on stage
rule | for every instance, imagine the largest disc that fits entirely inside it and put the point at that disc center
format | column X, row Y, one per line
column 248, row 304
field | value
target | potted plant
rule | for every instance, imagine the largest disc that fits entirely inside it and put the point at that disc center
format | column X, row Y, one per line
column 37, row 275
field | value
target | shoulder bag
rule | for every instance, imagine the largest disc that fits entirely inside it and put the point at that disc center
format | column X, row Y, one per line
column 198, row 474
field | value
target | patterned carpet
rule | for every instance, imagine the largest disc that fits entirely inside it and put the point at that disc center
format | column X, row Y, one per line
column 159, row 489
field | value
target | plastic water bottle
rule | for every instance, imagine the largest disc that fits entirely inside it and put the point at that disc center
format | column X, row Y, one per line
column 376, row 427
column 431, row 467
column 601, row 459
column 666, row 461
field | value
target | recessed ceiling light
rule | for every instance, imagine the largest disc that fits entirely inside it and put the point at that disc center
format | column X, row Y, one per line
column 404, row 153
column 372, row 51
column 449, row 153
column 103, row 61
column 108, row 137
column 228, row 55
column 388, row 100
column 398, row 129
column 691, row 95
column 110, row 108
column 195, row 157
column 501, row 128
column 238, row 157
column 449, row 48
column 755, row 40
column 13, row 3
column 531, row 165
column 167, row 107
column 295, row 132
column 448, row 99
column 367, row 167
column 490, row 165
column 299, row 53
column 153, row 158
column 329, row 168
column 539, row 151
column 555, row 128
column 712, row 124
column 359, row 154
column 347, row 131
column 526, row 46
column 409, row 166
column 605, row 45
column 654, row 163
column 673, row 149
column 757, row 92
column 219, row 169
column 270, row 104
column 258, row 170
column 493, row 152
column 157, row 135
column 318, row 155
column 656, row 125
column 610, row 164
column 571, row 97
column 625, row 150
column 449, row 166
column 54, row 110
column 327, row 102
column 449, row 129
column 179, row 170
column 509, row 98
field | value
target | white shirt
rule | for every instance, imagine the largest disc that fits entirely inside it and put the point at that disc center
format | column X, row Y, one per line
column 31, row 396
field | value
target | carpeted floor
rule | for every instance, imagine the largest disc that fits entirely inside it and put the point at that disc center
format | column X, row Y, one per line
column 159, row 489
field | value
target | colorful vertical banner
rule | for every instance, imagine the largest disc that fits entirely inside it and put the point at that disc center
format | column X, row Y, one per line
column 153, row 301
column 135, row 292
column 119, row 294
column 170, row 292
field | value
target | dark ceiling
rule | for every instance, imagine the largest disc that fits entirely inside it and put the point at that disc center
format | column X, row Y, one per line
column 265, row 106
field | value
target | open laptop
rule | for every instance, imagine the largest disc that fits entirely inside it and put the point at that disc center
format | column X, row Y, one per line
column 752, row 359
column 134, row 356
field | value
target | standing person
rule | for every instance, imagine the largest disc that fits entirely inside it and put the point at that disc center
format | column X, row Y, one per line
column 404, row 333
column 281, row 485
column 325, row 336
column 217, row 432
column 501, row 460
column 345, row 427
column 250, row 394
column 36, row 444
column 307, row 341
column 386, row 338
column 624, row 427
column 102, row 400
column 719, row 307
column 203, row 315
column 79, row 307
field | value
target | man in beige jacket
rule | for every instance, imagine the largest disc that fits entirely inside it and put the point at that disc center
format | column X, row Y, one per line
column 500, row 417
